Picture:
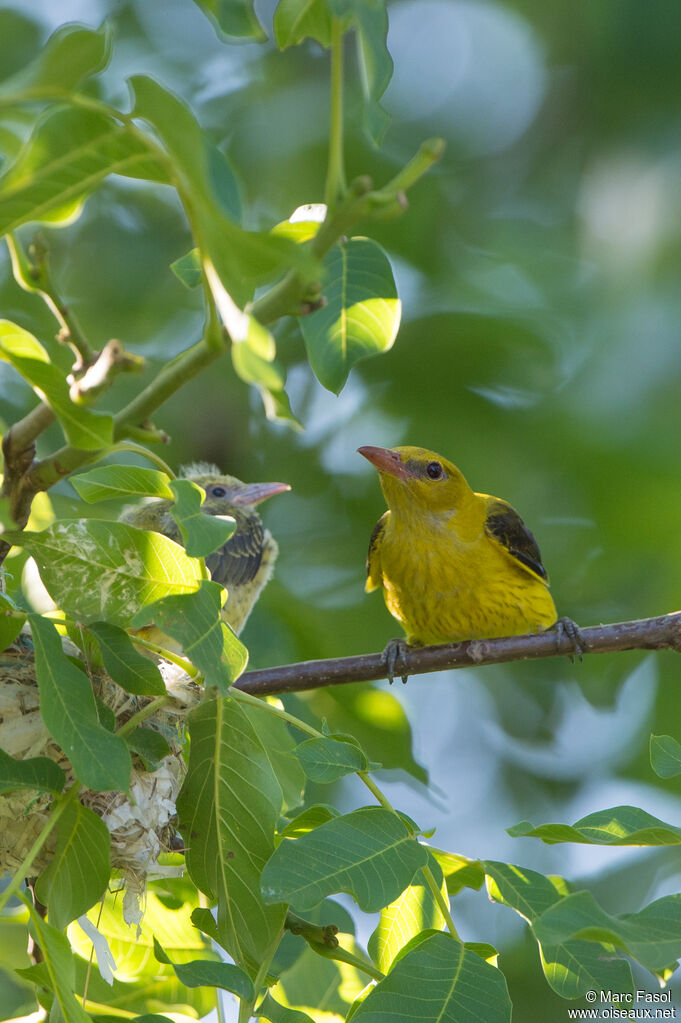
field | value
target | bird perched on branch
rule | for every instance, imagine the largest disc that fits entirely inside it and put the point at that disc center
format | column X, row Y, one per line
column 244, row 564
column 454, row 565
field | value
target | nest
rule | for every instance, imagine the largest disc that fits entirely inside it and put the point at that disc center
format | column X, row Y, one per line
column 141, row 823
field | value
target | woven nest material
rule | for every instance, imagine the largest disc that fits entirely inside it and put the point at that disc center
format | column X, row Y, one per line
column 141, row 823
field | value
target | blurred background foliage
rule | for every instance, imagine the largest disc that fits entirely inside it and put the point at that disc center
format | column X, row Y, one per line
column 539, row 350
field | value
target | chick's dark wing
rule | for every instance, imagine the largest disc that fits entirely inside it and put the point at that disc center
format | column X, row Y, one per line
column 238, row 561
column 504, row 525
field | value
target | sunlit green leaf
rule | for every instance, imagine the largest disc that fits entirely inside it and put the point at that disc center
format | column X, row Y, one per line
column 413, row 911
column 368, row 853
column 438, row 980
column 83, row 428
column 201, row 533
column 194, row 620
column 361, row 316
column 79, row 871
column 39, row 773
column 621, row 825
column 653, row 936
column 312, row 817
column 459, row 871
column 665, row 756
column 67, row 704
column 68, row 153
column 204, row 972
column 126, row 666
column 276, row 1013
column 295, row 20
column 572, row 967
column 108, row 570
column 278, row 743
column 233, row 18
column 115, row 481
column 228, row 808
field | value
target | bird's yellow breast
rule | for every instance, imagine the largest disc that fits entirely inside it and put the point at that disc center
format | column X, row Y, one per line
column 447, row 581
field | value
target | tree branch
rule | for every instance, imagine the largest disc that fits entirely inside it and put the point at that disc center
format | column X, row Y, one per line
column 662, row 633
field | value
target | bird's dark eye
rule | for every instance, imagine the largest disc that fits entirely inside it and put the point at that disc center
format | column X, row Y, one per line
column 218, row 491
column 434, row 470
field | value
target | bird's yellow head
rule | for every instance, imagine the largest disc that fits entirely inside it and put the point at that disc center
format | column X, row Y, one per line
column 418, row 478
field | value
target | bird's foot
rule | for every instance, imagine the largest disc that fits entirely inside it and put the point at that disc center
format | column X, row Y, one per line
column 395, row 659
column 566, row 627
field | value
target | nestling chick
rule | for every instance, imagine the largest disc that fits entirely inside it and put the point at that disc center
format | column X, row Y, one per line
column 454, row 565
column 244, row 564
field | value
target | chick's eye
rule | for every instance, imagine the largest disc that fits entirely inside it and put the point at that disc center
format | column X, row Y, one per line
column 434, row 470
column 218, row 491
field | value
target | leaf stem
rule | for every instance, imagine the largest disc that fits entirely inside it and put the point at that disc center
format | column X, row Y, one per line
column 143, row 714
column 335, row 176
column 139, row 449
column 24, row 869
column 441, row 901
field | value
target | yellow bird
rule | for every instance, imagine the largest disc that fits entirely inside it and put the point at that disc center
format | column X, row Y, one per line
column 244, row 564
column 454, row 565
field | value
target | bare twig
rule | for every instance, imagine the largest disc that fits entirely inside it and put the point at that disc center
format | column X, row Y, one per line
column 99, row 374
column 663, row 633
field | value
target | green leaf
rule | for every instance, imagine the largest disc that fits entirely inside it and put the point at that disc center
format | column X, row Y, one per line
column 59, row 966
column 71, row 54
column 108, row 570
column 241, row 258
column 415, row 910
column 194, row 620
column 308, row 820
column 276, row 1013
column 572, row 967
column 188, row 269
column 233, row 18
column 11, row 618
column 278, row 743
column 328, row 759
column 126, row 666
column 438, row 980
column 68, row 153
column 371, row 19
column 665, row 756
column 79, row 871
column 369, row 853
column 228, row 807
column 621, row 825
column 204, row 973
column 39, row 773
column 149, row 745
column 652, row 937
column 304, row 222
column 459, row 872
column 116, row 481
column 83, row 428
column 67, row 704
column 361, row 316
column 295, row 20
column 201, row 534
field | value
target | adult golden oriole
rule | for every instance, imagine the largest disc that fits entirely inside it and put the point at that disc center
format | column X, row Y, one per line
column 454, row 565
column 244, row 564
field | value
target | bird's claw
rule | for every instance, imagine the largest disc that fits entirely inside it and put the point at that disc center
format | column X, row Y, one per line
column 566, row 627
column 395, row 660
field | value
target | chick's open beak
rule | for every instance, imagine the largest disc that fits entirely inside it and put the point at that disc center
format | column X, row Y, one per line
column 387, row 460
column 254, row 493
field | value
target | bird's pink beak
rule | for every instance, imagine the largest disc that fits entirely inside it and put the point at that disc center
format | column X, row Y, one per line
column 387, row 460
column 254, row 493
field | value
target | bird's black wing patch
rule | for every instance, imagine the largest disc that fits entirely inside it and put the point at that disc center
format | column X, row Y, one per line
column 239, row 560
column 505, row 525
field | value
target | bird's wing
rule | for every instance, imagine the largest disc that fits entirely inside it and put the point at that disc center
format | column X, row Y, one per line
column 504, row 525
column 374, row 571
column 239, row 559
